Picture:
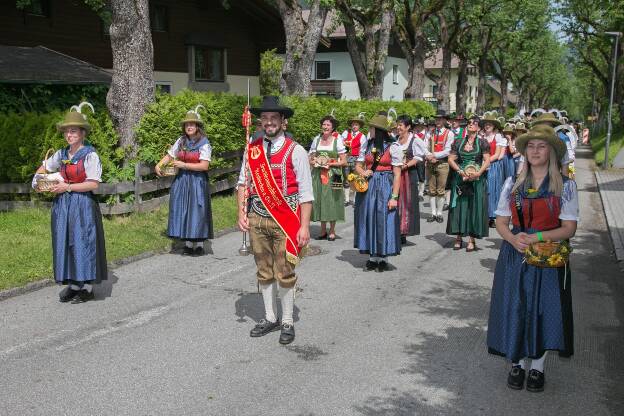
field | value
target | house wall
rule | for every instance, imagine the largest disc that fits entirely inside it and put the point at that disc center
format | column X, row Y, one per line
column 75, row 30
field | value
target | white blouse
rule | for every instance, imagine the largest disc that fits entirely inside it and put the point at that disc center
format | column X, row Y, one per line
column 340, row 146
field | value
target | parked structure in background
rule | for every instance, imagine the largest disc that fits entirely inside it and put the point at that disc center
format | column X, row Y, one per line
column 198, row 45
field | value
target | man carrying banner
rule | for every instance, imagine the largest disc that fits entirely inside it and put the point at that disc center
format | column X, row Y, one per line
column 277, row 215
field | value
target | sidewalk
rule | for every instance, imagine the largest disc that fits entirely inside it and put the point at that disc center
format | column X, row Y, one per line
column 611, row 186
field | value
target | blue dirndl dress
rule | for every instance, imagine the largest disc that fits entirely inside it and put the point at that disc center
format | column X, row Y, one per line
column 190, row 211
column 509, row 166
column 377, row 229
column 495, row 180
column 78, row 247
column 531, row 307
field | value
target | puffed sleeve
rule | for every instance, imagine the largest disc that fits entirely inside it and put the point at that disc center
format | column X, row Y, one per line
column 419, row 149
column 173, row 150
column 504, row 209
column 500, row 140
column 314, row 144
column 340, row 146
column 205, row 152
column 93, row 167
column 569, row 202
column 53, row 164
column 396, row 154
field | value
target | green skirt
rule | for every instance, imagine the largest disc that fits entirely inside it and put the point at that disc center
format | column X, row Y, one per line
column 468, row 214
column 328, row 204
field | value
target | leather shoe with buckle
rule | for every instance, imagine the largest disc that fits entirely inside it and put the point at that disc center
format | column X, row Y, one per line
column 67, row 294
column 432, row 218
column 288, row 334
column 264, row 327
column 535, row 381
column 515, row 380
column 382, row 266
column 188, row 251
column 199, row 251
column 83, row 296
column 440, row 218
column 371, row 265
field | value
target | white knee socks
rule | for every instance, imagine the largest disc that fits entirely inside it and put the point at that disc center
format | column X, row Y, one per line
column 270, row 301
column 421, row 188
column 432, row 201
column 538, row 364
column 287, row 297
column 521, row 363
column 441, row 201
column 189, row 244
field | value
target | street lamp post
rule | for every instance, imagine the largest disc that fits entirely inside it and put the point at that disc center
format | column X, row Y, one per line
column 617, row 35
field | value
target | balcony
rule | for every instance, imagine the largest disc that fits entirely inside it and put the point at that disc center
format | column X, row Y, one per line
column 327, row 87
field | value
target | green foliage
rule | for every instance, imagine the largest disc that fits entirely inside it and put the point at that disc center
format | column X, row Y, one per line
column 45, row 98
column 270, row 72
column 615, row 144
column 25, row 137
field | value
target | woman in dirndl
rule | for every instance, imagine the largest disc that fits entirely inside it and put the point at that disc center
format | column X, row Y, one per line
column 414, row 150
column 327, row 157
column 78, row 247
column 190, row 212
column 509, row 166
column 496, row 172
column 531, row 305
column 468, row 216
column 376, row 219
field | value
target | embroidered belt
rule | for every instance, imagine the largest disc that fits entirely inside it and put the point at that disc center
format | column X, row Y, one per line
column 256, row 205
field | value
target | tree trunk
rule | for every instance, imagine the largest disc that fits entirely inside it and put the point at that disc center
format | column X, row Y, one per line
column 504, row 83
column 132, row 86
column 442, row 94
column 368, row 54
column 301, row 43
column 482, row 89
column 462, row 87
column 416, row 68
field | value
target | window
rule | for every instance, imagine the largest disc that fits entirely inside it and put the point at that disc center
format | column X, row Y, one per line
column 164, row 87
column 322, row 70
column 38, row 8
column 434, row 89
column 209, row 64
column 395, row 74
column 159, row 18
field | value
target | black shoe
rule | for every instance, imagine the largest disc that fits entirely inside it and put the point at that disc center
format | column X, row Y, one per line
column 188, row 251
column 288, row 334
column 321, row 237
column 67, row 294
column 432, row 218
column 382, row 266
column 535, row 382
column 371, row 265
column 492, row 223
column 515, row 379
column 440, row 219
column 264, row 327
column 445, row 207
column 83, row 296
column 199, row 251
column 403, row 239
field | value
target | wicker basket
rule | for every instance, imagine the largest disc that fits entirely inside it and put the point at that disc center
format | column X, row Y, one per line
column 548, row 254
column 169, row 170
column 471, row 169
column 43, row 183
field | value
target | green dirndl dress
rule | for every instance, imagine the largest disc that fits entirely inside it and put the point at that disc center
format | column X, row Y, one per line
column 328, row 204
column 468, row 211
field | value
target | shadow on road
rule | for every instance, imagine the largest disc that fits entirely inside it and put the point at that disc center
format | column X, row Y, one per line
column 250, row 305
column 105, row 289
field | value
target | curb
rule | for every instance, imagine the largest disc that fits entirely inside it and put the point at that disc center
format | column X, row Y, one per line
column 40, row 284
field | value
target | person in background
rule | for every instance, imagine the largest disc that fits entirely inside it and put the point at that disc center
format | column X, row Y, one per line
column 438, row 146
column 327, row 178
column 352, row 138
column 420, row 133
column 190, row 211
column 495, row 175
column 531, row 305
column 78, row 246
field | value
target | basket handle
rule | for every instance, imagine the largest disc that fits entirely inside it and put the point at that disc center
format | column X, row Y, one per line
column 45, row 160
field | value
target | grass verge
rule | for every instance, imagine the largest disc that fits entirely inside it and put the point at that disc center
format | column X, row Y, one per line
column 598, row 145
column 26, row 250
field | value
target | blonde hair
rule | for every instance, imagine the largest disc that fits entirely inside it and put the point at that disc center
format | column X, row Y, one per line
column 555, row 180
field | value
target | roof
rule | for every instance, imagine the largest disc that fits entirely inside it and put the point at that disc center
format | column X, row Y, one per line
column 434, row 61
column 40, row 65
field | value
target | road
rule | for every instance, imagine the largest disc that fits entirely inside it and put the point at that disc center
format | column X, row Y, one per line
column 169, row 335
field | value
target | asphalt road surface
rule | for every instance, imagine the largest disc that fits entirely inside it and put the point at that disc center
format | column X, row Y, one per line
column 169, row 335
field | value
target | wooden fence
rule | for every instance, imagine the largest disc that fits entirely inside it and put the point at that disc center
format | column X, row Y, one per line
column 138, row 187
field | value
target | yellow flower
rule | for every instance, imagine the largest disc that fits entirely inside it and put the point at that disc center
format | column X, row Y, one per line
column 350, row 177
column 555, row 259
column 563, row 250
column 535, row 259
column 531, row 190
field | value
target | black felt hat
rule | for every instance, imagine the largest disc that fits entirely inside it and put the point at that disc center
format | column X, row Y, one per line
column 271, row 104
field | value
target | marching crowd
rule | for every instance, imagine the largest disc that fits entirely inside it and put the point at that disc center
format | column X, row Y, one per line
column 484, row 171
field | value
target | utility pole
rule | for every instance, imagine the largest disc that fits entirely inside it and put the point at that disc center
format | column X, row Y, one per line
column 617, row 35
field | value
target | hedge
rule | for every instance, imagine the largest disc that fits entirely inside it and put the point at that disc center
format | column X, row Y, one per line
column 25, row 137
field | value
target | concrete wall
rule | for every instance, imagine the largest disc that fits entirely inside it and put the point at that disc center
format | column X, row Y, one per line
column 177, row 80
column 238, row 84
column 391, row 90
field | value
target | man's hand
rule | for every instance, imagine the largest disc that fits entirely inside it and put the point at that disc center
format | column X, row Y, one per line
column 303, row 236
column 243, row 221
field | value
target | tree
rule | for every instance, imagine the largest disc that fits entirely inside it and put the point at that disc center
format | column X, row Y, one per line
column 132, row 86
column 411, row 34
column 302, row 38
column 368, row 27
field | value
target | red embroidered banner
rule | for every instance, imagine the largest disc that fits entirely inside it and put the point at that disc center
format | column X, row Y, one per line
column 273, row 200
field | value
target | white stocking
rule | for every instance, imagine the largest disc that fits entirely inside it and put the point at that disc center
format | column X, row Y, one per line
column 287, row 297
column 270, row 300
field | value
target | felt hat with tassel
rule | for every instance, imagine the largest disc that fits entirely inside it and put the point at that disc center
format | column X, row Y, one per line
column 75, row 118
